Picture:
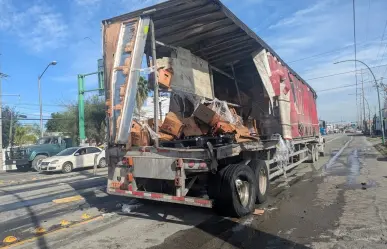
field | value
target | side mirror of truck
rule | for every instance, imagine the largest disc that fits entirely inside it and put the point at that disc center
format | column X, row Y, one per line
column 76, row 154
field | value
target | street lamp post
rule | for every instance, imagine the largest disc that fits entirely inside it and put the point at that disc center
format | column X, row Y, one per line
column 369, row 113
column 377, row 89
column 40, row 97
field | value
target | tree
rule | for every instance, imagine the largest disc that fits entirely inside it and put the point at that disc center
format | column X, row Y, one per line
column 142, row 92
column 67, row 121
column 6, row 113
column 26, row 135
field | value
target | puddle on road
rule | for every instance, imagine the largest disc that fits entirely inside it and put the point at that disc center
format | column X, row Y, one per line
column 349, row 168
column 353, row 164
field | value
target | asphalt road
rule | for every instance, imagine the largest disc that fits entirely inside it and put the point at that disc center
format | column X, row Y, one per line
column 321, row 205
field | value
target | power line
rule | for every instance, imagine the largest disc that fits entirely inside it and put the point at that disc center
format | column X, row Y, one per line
column 381, row 41
column 36, row 104
column 339, row 87
column 329, row 52
column 331, row 75
column 354, row 43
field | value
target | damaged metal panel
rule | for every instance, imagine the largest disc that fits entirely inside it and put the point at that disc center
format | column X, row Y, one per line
column 129, row 103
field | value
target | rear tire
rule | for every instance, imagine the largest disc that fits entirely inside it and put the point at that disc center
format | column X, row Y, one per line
column 238, row 187
column 262, row 176
column 67, row 167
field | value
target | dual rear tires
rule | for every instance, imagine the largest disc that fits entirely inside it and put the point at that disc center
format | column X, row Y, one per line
column 236, row 189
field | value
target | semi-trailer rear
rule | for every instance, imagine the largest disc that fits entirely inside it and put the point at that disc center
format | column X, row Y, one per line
column 262, row 117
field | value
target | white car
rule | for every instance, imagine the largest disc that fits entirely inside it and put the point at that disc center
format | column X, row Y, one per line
column 72, row 158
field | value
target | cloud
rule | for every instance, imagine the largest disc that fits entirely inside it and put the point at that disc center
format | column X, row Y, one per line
column 87, row 2
column 38, row 27
column 298, row 17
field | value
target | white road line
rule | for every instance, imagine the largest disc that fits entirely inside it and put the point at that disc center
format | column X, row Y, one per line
column 334, row 158
column 333, row 139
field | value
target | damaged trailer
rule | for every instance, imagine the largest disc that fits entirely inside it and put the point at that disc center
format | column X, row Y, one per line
column 238, row 116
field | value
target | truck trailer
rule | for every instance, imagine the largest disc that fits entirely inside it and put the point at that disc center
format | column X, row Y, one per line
column 238, row 117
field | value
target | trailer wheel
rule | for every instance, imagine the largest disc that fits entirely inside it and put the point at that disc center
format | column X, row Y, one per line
column 262, row 176
column 238, row 191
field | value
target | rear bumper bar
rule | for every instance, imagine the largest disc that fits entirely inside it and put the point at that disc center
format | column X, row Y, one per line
column 199, row 202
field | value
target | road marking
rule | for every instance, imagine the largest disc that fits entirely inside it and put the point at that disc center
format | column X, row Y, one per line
column 333, row 139
column 64, row 223
column 51, row 232
column 68, row 199
column 334, row 158
column 40, row 230
column 85, row 216
column 10, row 239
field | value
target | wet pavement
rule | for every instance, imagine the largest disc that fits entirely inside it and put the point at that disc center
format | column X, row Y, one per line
column 338, row 202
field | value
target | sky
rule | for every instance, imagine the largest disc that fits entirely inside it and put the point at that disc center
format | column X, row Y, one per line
column 309, row 35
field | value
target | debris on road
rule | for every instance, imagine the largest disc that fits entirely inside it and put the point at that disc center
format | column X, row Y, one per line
column 259, row 211
column 133, row 204
column 107, row 215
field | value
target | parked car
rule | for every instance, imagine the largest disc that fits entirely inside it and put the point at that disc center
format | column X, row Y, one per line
column 27, row 157
column 72, row 158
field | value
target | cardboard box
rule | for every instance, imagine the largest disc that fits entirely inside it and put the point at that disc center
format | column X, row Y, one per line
column 191, row 128
column 205, row 128
column 122, row 90
column 172, row 125
column 136, row 127
column 151, row 123
column 165, row 136
column 164, row 77
column 140, row 138
column 243, row 135
column 224, row 127
column 206, row 115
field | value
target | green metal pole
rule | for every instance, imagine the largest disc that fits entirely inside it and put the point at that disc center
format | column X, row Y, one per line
column 81, row 108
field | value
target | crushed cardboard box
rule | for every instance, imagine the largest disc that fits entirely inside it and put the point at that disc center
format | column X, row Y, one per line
column 191, row 128
column 172, row 125
column 206, row 115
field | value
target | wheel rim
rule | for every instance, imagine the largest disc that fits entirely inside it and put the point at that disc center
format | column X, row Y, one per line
column 67, row 168
column 102, row 163
column 37, row 167
column 243, row 188
column 262, row 181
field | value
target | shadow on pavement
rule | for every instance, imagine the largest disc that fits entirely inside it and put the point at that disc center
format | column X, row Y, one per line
column 214, row 232
column 40, row 241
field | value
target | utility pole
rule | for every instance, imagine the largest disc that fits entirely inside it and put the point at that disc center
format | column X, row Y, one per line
column 1, row 124
column 362, row 90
